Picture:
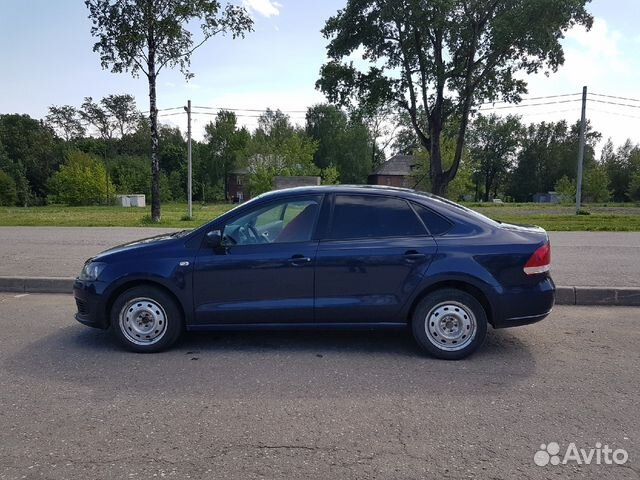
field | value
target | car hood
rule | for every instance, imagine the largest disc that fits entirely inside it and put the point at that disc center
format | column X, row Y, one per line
column 144, row 243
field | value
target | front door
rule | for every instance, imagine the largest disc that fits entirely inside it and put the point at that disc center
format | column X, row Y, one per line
column 264, row 272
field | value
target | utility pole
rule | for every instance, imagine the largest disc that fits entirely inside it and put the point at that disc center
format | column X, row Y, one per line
column 583, row 126
column 189, row 180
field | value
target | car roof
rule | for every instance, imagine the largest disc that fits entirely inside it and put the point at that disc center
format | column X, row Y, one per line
column 316, row 189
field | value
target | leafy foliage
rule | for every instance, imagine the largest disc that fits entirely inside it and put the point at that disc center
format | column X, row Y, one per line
column 81, row 180
column 226, row 143
column 437, row 59
column 493, row 142
column 343, row 141
column 149, row 35
column 8, row 192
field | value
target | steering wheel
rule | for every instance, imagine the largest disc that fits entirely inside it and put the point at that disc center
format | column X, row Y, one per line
column 254, row 233
column 248, row 235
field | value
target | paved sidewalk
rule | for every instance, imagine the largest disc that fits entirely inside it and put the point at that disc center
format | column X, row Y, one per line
column 602, row 259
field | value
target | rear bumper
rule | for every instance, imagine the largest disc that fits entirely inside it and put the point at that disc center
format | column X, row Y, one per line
column 90, row 305
column 525, row 306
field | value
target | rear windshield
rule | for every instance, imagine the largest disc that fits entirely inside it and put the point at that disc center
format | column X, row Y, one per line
column 468, row 211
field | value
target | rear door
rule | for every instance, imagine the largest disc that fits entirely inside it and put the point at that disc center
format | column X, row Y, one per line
column 372, row 256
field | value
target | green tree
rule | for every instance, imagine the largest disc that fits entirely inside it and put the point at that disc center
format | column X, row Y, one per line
column 621, row 166
column 596, row 185
column 129, row 174
column 548, row 152
column 149, row 35
column 443, row 57
column 80, row 180
column 32, row 154
column 343, row 141
column 277, row 148
column 8, row 192
column 122, row 108
column 66, row 121
column 226, row 145
column 566, row 190
column 493, row 142
column 634, row 187
column 461, row 186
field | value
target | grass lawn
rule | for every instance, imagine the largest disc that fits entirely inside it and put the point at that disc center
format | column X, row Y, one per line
column 618, row 217
column 57, row 215
column 610, row 217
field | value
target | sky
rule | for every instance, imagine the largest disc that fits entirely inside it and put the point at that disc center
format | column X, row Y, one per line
column 46, row 58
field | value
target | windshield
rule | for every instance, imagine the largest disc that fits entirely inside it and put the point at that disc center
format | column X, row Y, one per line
column 468, row 211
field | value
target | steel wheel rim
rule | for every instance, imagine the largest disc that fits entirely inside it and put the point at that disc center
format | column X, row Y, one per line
column 451, row 326
column 143, row 321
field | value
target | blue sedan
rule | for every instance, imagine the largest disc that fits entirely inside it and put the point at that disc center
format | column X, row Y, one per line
column 326, row 257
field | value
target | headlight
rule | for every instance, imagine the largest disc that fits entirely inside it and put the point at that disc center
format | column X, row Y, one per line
column 91, row 271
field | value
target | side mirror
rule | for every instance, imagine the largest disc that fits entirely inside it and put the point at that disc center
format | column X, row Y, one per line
column 214, row 238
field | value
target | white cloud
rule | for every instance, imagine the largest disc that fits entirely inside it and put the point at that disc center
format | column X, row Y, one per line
column 267, row 8
column 600, row 59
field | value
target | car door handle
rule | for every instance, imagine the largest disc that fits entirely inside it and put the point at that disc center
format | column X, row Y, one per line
column 413, row 256
column 299, row 260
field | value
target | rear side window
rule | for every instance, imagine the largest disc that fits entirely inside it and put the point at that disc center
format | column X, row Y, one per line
column 373, row 216
column 436, row 224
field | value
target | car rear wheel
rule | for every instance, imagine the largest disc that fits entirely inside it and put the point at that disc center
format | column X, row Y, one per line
column 146, row 319
column 449, row 324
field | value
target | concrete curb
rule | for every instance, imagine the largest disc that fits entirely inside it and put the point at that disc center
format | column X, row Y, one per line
column 623, row 296
column 36, row 284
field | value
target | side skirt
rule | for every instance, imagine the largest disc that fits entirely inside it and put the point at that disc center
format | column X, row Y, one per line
column 296, row 326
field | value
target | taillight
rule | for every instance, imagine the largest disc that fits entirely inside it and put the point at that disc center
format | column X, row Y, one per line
column 540, row 261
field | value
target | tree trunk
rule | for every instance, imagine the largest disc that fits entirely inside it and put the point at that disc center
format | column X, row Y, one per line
column 155, row 145
column 487, row 186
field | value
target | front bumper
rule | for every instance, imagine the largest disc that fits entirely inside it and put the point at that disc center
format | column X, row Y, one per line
column 90, row 304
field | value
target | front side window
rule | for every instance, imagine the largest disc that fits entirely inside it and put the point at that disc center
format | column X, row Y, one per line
column 290, row 220
column 373, row 216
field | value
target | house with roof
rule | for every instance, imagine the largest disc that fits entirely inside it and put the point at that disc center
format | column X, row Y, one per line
column 398, row 171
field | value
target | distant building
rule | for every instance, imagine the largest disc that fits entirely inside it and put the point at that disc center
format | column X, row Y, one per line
column 396, row 172
column 238, row 185
column 295, row 181
column 549, row 197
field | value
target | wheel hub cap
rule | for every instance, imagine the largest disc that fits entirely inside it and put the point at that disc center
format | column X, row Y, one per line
column 143, row 321
column 450, row 326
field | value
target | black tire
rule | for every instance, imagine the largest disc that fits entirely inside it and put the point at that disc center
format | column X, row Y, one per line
column 153, row 320
column 449, row 324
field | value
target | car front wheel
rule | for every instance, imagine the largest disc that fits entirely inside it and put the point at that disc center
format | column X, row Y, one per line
column 146, row 319
column 449, row 324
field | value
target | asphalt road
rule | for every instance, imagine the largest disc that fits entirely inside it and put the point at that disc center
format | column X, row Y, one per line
column 579, row 258
column 313, row 405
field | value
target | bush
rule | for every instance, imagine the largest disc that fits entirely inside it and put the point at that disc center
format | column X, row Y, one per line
column 330, row 175
column 634, row 187
column 8, row 191
column 566, row 190
column 596, row 185
column 81, row 180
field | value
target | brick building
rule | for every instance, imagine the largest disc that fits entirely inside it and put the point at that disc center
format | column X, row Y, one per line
column 395, row 172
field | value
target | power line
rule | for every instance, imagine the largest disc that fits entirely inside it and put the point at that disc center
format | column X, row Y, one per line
column 614, row 113
column 530, row 105
column 536, row 98
column 615, row 103
column 249, row 109
column 619, row 98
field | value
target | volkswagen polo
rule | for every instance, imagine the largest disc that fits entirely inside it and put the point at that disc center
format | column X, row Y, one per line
column 326, row 257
